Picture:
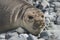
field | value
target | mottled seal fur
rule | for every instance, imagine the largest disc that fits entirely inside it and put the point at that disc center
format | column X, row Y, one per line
column 18, row 13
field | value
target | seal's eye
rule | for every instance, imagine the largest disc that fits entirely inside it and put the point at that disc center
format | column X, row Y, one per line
column 42, row 16
column 30, row 17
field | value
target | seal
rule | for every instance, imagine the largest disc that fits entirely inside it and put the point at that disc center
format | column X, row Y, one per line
column 18, row 13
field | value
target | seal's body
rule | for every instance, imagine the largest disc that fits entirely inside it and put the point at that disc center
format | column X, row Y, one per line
column 16, row 13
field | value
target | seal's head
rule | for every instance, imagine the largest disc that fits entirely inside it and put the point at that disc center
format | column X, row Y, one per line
column 33, row 20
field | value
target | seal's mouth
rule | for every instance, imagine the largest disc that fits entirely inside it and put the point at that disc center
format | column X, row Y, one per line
column 38, row 24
